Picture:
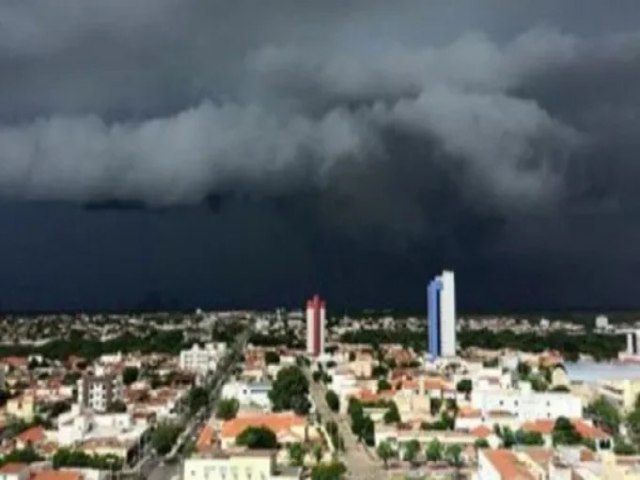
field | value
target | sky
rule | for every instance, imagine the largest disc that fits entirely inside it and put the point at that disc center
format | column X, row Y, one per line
column 183, row 154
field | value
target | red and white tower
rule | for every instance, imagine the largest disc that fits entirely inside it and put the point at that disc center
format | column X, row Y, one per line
column 315, row 326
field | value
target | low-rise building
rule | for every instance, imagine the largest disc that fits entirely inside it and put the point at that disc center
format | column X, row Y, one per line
column 202, row 360
column 241, row 465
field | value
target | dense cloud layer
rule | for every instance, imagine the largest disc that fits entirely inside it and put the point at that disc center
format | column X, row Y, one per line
column 466, row 128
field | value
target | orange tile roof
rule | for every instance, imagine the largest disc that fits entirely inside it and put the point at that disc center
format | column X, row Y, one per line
column 507, row 465
column 56, row 475
column 367, row 395
column 542, row 456
column 469, row 412
column 32, row 435
column 13, row 467
column 481, row 431
column 205, row 439
column 277, row 422
column 545, row 427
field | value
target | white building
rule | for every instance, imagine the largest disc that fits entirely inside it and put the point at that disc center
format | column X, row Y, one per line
column 247, row 465
column 441, row 298
column 526, row 404
column 602, row 322
column 99, row 392
column 202, row 360
column 249, row 393
column 80, row 428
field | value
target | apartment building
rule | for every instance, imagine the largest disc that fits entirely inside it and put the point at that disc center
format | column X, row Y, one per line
column 99, row 391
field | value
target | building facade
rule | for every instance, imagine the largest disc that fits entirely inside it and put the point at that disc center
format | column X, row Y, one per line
column 98, row 392
column 441, row 306
column 202, row 360
column 316, row 317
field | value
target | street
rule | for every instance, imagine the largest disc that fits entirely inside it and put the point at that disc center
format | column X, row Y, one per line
column 360, row 463
column 154, row 468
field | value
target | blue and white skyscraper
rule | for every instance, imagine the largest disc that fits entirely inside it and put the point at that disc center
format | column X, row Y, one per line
column 441, row 300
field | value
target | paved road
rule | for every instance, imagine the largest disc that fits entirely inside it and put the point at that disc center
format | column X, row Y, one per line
column 361, row 464
column 155, row 469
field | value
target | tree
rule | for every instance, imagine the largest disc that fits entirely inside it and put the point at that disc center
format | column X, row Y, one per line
column 385, row 452
column 508, row 437
column 633, row 425
column 392, row 415
column 453, row 455
column 411, row 449
column 289, row 391
column 623, row 448
column 198, row 398
column 528, row 438
column 316, row 376
column 164, row 437
column 564, row 433
column 130, row 375
column 605, row 413
column 383, row 385
column 256, row 438
column 227, row 408
column 331, row 471
column 296, row 454
column 271, row 357
column 481, row 443
column 434, row 451
column 368, row 431
column 464, row 386
column 118, row 406
column 435, row 405
column 332, row 400
column 524, row 370
column 317, row 452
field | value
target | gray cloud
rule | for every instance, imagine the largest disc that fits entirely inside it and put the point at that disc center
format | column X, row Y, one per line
column 167, row 102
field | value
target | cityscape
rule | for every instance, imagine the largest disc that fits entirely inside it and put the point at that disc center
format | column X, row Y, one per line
column 294, row 394
column 319, row 240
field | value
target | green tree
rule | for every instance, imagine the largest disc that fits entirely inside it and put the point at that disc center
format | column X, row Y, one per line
column 256, row 438
column 227, row 408
column 331, row 471
column 411, row 449
column 296, row 454
column 385, row 452
column 289, row 391
column 164, row 437
column 383, row 385
column 633, row 425
column 271, row 357
column 130, row 375
column 317, row 452
column 118, row 406
column 198, row 398
column 508, row 437
column 564, row 433
column 453, row 455
column 621, row 447
column 529, row 438
column 464, row 386
column 524, row 370
column 332, row 400
column 392, row 415
column 603, row 412
column 434, row 451
column 481, row 443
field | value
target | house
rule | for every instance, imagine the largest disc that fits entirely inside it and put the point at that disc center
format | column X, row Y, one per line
column 240, row 465
column 601, row 439
column 32, row 437
column 288, row 427
column 14, row 471
column 22, row 407
column 501, row 464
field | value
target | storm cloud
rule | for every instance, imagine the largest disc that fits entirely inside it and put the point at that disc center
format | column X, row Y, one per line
column 458, row 130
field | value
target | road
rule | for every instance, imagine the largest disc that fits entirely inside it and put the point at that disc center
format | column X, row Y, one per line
column 155, row 468
column 360, row 463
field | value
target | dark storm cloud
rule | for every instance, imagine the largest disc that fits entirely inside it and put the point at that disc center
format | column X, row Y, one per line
column 460, row 129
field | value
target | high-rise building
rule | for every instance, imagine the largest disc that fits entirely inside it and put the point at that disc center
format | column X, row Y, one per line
column 633, row 343
column 441, row 301
column 316, row 313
